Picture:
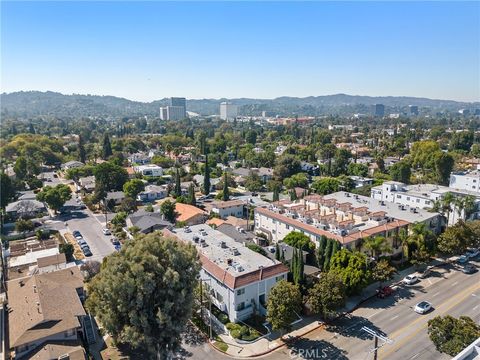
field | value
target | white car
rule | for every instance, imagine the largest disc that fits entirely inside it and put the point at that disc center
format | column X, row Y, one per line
column 410, row 279
column 423, row 307
column 187, row 229
column 106, row 231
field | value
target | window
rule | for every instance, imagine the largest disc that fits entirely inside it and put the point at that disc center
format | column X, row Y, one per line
column 418, row 200
column 278, row 278
column 288, row 226
column 69, row 333
column 408, row 197
column 241, row 306
column 474, row 180
column 399, row 196
column 427, row 202
column 240, row 291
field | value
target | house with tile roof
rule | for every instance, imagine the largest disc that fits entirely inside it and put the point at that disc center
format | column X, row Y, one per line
column 44, row 309
column 189, row 214
column 238, row 278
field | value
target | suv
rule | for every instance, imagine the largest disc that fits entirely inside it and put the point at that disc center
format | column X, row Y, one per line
column 106, row 231
column 469, row 269
column 472, row 253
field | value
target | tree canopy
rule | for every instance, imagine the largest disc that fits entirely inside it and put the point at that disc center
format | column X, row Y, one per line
column 55, row 197
column 283, row 305
column 143, row 295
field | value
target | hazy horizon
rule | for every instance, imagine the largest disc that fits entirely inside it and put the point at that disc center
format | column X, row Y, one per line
column 210, row 50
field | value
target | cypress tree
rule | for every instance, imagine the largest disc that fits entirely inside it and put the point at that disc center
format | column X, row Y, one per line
column 335, row 248
column 328, row 252
column 282, row 256
column 277, row 252
column 293, row 264
column 321, row 251
column 178, row 187
column 276, row 195
column 107, row 147
column 206, row 179
column 81, row 150
column 226, row 192
column 31, row 129
column 301, row 266
column 293, row 195
column 191, row 195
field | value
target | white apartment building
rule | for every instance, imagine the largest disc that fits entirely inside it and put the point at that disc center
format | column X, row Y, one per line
column 149, row 170
column 466, row 181
column 228, row 111
column 422, row 196
column 342, row 216
column 238, row 279
column 227, row 208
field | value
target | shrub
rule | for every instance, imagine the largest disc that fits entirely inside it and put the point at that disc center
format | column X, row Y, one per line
column 223, row 318
column 235, row 333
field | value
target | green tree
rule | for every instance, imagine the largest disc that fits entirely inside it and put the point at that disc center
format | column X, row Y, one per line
column 277, row 252
column 383, row 271
column 299, row 241
column 133, row 187
column 352, row 268
column 451, row 335
column 68, row 250
column 23, row 226
column 326, row 153
column 286, row 165
column 456, row 239
column 327, row 295
column 82, row 155
column 55, row 197
column 106, row 147
column 178, row 186
column 326, row 185
column 401, row 171
column 283, row 305
column 191, row 195
column 143, row 295
column 226, row 191
column 20, row 168
column 357, row 169
column 327, row 254
column 276, row 195
column 110, row 177
column 206, row 177
column 320, row 252
column 7, row 190
column 296, row 180
column 168, row 210
column 443, row 167
column 253, row 182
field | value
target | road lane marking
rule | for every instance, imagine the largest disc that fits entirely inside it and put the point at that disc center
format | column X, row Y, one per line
column 475, row 308
column 393, row 318
column 375, row 313
column 436, row 294
column 398, row 344
column 455, row 283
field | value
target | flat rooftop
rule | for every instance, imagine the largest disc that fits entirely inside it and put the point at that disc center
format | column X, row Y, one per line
column 243, row 262
column 392, row 209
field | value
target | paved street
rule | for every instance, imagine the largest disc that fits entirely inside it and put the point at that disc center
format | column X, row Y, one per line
column 88, row 223
column 449, row 290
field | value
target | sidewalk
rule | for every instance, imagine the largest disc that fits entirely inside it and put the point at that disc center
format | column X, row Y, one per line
column 308, row 324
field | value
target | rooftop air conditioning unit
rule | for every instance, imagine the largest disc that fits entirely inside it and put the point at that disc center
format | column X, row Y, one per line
column 235, row 251
column 203, row 243
column 196, row 239
column 223, row 244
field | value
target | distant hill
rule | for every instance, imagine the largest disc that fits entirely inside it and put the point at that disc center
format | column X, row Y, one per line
column 26, row 104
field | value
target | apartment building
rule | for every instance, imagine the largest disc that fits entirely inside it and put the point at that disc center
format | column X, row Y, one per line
column 423, row 196
column 466, row 181
column 238, row 278
column 345, row 217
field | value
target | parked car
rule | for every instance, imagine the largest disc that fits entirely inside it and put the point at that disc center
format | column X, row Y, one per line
column 385, row 292
column 87, row 252
column 118, row 247
column 410, row 279
column 84, row 246
column 77, row 235
column 472, row 253
column 462, row 259
column 81, row 242
column 469, row 269
column 423, row 307
column 115, row 241
column 106, row 231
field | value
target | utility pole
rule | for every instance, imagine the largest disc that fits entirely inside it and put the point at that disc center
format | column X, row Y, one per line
column 376, row 336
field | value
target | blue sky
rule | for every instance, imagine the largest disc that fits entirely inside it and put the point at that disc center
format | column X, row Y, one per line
column 150, row 50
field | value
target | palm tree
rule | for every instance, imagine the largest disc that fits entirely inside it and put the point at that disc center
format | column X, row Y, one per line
column 459, row 205
column 446, row 204
column 377, row 246
column 403, row 237
column 469, row 205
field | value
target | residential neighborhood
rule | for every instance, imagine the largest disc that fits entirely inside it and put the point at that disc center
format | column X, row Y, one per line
column 240, row 180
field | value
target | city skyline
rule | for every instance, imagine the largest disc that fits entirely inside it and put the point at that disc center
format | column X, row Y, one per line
column 201, row 50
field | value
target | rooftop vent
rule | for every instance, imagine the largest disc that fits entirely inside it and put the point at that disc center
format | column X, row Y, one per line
column 196, row 239
column 223, row 244
column 238, row 268
column 229, row 261
column 203, row 243
column 235, row 251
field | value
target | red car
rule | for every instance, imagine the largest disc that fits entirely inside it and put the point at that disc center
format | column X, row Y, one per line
column 384, row 292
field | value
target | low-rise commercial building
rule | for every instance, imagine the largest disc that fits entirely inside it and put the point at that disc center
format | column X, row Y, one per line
column 149, row 170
